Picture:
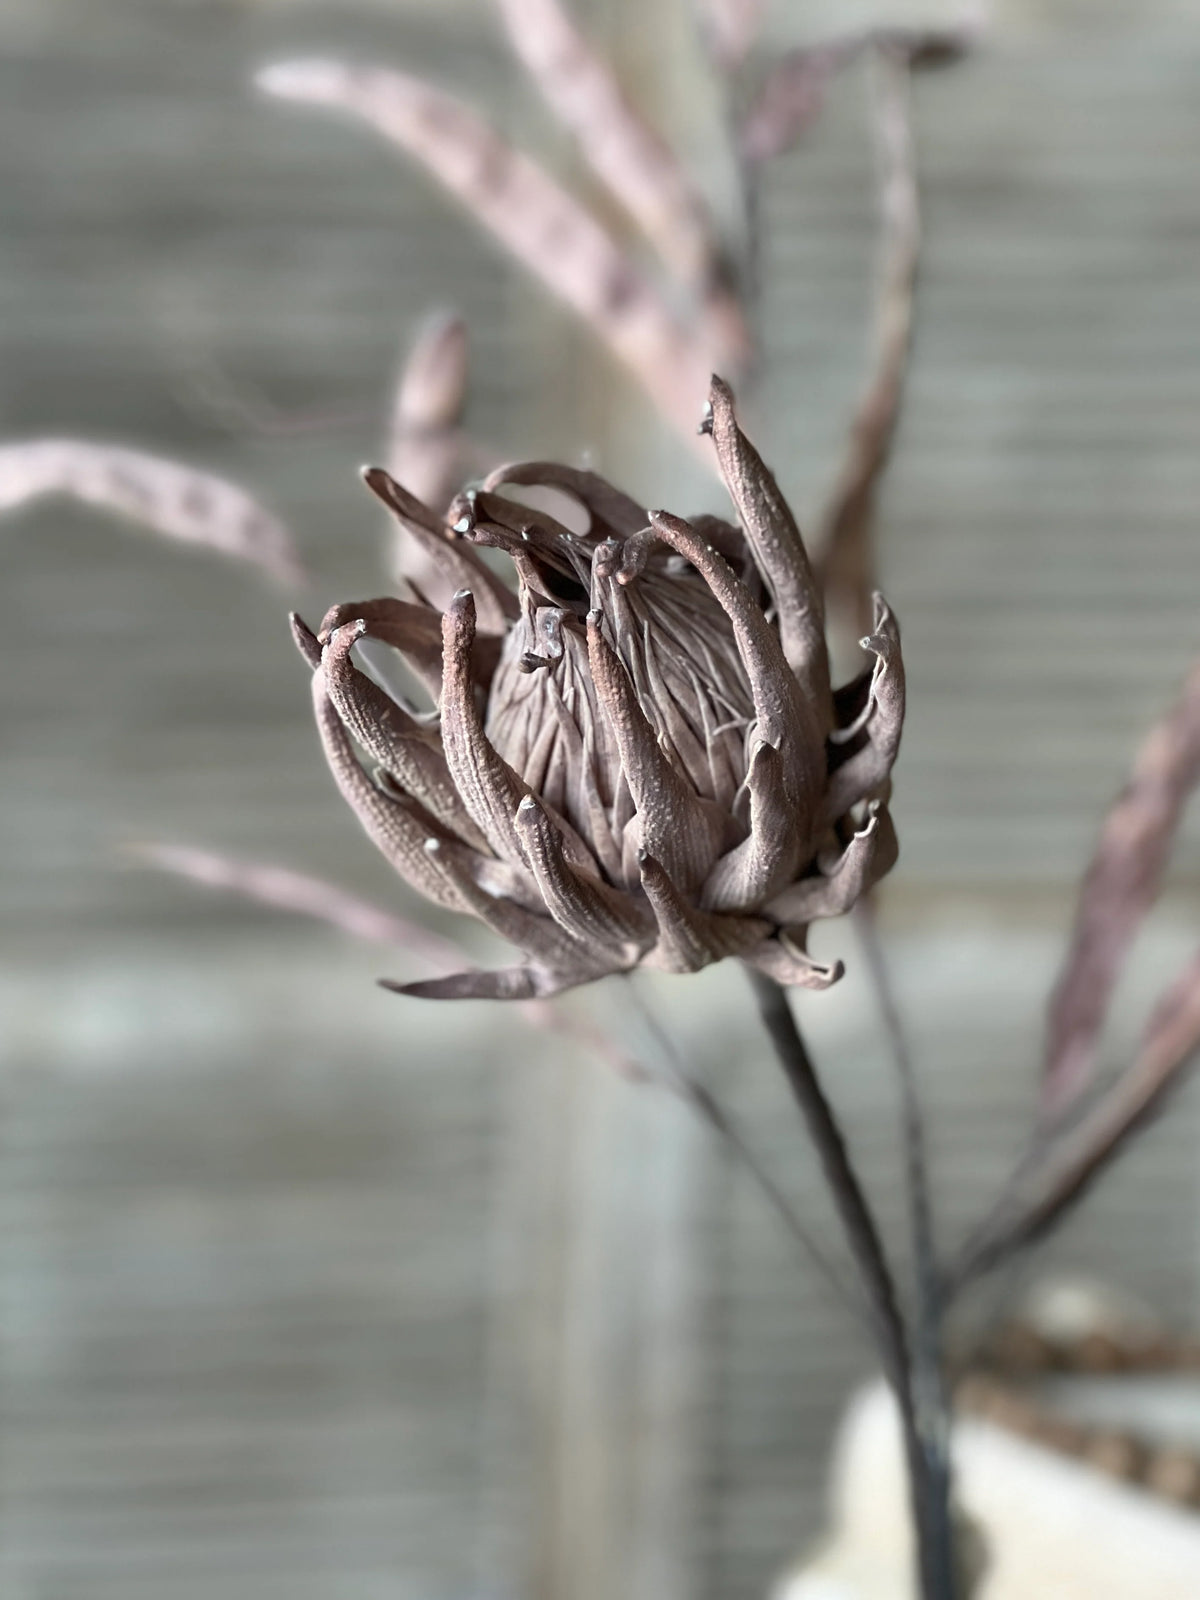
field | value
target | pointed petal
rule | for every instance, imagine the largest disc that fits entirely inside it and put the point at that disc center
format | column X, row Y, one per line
column 754, row 869
column 397, row 828
column 414, row 630
column 305, row 640
column 785, row 715
column 505, row 983
column 410, row 752
column 870, row 854
column 863, row 773
column 688, row 938
column 457, row 563
column 676, row 826
column 779, row 549
column 784, row 959
column 491, row 791
column 589, row 910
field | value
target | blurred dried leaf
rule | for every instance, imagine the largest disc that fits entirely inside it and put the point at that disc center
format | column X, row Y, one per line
column 515, row 200
column 1070, row 1164
column 1121, row 884
column 176, row 501
column 637, row 165
column 792, row 93
column 730, row 28
column 307, row 896
column 425, row 445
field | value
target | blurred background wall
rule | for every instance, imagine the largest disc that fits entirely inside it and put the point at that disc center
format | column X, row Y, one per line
column 310, row 1291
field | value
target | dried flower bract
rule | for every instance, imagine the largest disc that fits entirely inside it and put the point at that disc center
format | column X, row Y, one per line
column 636, row 758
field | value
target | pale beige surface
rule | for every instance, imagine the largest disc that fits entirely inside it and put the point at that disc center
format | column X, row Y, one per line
column 308, row 1292
column 1054, row 1528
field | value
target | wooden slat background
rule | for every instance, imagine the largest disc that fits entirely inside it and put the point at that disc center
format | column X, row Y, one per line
column 305, row 1291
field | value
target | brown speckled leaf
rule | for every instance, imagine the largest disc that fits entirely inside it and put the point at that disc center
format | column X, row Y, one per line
column 176, row 501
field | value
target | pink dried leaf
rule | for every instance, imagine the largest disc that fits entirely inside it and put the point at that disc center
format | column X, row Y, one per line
column 846, row 558
column 176, row 501
column 543, row 226
column 1121, row 884
column 636, row 164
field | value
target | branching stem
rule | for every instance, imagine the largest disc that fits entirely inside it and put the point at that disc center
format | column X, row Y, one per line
column 929, row 1485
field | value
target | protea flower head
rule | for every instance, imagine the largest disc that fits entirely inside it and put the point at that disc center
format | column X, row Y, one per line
column 635, row 757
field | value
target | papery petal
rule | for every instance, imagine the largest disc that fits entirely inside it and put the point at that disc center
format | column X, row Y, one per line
column 688, row 938
column 676, row 826
column 784, row 959
column 754, row 869
column 590, row 911
column 503, row 983
column 785, row 715
column 782, row 558
column 397, row 827
column 864, row 773
column 491, row 791
column 613, row 513
column 305, row 640
column 870, row 854
column 457, row 563
column 409, row 751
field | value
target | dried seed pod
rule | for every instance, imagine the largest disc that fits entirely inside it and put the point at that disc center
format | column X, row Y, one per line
column 654, row 771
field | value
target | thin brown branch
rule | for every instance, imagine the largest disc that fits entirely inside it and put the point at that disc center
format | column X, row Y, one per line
column 544, row 227
column 1121, row 884
column 176, row 501
column 631, row 159
column 844, row 542
column 1071, row 1163
column 928, row 1481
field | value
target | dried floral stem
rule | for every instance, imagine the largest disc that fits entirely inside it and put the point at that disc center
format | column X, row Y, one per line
column 928, row 1481
column 916, row 1163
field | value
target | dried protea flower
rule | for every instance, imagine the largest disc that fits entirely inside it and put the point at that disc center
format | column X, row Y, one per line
column 636, row 757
